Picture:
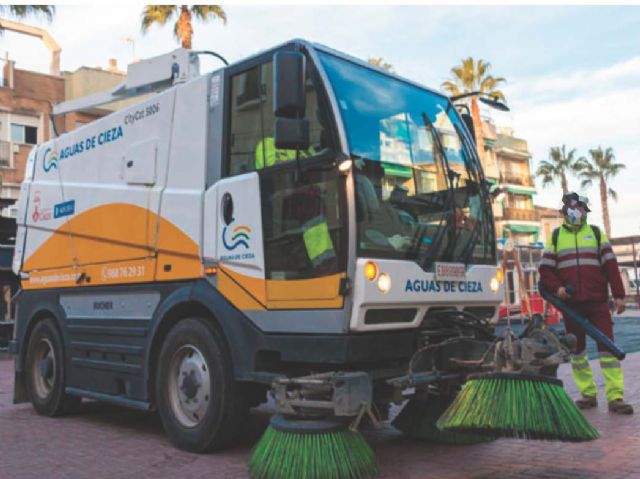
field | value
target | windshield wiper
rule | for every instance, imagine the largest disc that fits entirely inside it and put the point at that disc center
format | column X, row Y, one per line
column 469, row 248
column 429, row 254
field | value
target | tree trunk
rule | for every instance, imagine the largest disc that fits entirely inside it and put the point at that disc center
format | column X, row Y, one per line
column 184, row 28
column 477, row 126
column 565, row 188
column 605, row 207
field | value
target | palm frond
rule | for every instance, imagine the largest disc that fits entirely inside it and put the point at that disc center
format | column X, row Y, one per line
column 380, row 63
column 471, row 75
column 205, row 13
column 581, row 164
column 586, row 183
column 159, row 14
column 450, row 87
column 45, row 12
column 613, row 194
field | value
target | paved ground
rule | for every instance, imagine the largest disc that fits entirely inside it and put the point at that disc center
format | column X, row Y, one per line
column 104, row 441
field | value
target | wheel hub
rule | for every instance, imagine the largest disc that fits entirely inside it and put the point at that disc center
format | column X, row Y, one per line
column 190, row 386
column 46, row 368
column 43, row 368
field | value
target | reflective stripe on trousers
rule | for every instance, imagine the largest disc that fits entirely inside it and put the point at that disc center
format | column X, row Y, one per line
column 582, row 375
column 611, row 371
column 613, row 376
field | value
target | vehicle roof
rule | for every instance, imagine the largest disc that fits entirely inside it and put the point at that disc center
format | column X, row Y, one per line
column 323, row 48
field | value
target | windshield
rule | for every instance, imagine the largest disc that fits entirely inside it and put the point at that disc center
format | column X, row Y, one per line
column 419, row 186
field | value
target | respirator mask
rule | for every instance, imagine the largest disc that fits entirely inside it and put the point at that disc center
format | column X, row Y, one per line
column 575, row 216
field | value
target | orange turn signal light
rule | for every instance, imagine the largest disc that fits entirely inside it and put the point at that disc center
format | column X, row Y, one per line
column 500, row 275
column 210, row 271
column 370, row 270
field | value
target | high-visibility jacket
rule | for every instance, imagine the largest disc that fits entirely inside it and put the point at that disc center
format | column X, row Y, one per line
column 268, row 155
column 577, row 260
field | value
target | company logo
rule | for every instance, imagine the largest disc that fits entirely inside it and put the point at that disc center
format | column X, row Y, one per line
column 40, row 213
column 51, row 157
column 239, row 236
column 64, row 209
column 50, row 160
column 234, row 236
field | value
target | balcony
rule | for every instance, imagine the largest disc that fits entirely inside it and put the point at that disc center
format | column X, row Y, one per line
column 515, row 179
column 5, row 154
column 517, row 214
column 511, row 143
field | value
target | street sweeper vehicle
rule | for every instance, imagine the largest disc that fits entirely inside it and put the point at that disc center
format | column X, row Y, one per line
column 299, row 223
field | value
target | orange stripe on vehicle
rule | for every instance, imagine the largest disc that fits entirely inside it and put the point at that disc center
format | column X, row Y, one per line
column 242, row 228
column 255, row 287
column 115, row 235
column 236, row 294
column 315, row 293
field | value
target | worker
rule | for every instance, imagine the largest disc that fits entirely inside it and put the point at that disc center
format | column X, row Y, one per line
column 268, row 155
column 578, row 265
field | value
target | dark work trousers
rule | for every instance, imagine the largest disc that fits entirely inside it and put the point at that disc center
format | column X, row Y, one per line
column 597, row 313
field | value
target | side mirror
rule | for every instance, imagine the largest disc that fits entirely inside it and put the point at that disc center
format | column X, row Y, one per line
column 468, row 122
column 288, row 80
column 291, row 134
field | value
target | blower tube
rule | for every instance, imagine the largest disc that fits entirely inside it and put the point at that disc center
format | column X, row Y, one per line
column 586, row 326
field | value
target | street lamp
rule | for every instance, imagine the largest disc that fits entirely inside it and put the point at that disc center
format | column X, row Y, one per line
column 485, row 98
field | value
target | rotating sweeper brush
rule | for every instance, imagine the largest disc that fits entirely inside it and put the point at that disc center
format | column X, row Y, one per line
column 521, row 397
column 314, row 435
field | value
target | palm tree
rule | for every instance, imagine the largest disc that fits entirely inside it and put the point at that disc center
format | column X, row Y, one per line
column 182, row 30
column 380, row 63
column 22, row 11
column 469, row 76
column 559, row 165
column 601, row 167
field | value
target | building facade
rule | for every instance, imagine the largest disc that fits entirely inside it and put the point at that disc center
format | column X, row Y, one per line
column 26, row 99
column 508, row 167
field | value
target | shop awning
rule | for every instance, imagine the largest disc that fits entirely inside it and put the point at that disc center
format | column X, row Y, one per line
column 521, row 190
column 397, row 170
column 523, row 228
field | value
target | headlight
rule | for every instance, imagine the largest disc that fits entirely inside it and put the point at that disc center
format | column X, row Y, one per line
column 384, row 283
column 494, row 285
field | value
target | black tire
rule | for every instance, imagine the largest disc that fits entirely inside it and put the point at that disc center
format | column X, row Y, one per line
column 45, row 371
column 193, row 346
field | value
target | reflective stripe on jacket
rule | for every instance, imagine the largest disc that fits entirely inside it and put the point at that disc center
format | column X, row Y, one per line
column 317, row 240
column 578, row 262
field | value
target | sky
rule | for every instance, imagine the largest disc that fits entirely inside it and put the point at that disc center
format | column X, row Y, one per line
column 573, row 73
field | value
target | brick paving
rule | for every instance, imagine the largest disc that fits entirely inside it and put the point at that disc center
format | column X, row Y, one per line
column 104, row 441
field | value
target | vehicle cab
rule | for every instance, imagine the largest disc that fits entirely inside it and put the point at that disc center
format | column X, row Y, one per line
column 374, row 207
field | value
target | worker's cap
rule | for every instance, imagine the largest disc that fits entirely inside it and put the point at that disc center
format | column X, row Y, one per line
column 573, row 199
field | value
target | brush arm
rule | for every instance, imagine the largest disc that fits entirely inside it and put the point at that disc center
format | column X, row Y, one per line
column 585, row 325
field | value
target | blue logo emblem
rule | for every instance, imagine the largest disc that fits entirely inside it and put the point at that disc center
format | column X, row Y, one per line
column 50, row 160
column 239, row 237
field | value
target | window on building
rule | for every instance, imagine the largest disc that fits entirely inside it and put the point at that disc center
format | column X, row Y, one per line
column 24, row 134
column 521, row 202
column 252, row 122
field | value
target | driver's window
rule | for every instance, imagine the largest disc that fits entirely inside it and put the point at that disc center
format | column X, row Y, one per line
column 251, row 139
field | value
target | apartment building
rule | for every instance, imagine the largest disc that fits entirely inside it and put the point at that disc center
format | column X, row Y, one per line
column 26, row 99
column 508, row 167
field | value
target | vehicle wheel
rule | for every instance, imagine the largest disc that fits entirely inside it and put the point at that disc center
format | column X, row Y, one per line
column 195, row 390
column 46, row 372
